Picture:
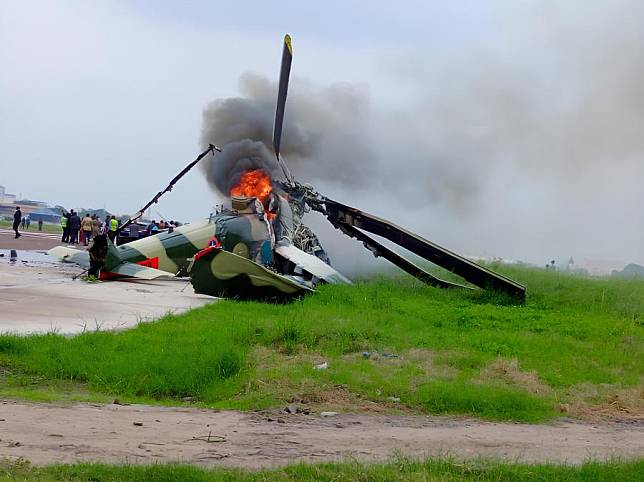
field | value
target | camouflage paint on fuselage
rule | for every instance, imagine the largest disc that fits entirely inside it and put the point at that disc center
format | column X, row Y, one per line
column 238, row 264
column 247, row 234
column 170, row 250
column 217, row 272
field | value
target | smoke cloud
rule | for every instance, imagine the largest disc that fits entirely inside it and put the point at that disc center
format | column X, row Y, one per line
column 235, row 158
column 325, row 131
column 529, row 144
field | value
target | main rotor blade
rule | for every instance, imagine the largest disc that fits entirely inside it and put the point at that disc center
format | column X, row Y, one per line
column 175, row 179
column 285, row 72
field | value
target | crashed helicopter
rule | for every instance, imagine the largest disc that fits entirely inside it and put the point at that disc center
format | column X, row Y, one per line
column 259, row 246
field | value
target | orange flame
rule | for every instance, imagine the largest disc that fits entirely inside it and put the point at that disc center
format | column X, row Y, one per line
column 255, row 183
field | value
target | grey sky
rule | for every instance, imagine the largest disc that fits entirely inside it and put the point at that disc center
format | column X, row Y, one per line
column 91, row 92
column 532, row 104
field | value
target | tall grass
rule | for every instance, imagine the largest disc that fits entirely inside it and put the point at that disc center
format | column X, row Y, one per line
column 571, row 331
column 397, row 470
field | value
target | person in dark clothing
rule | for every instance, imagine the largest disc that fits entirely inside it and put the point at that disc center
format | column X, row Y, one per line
column 74, row 227
column 17, row 218
column 64, row 224
column 113, row 226
column 134, row 231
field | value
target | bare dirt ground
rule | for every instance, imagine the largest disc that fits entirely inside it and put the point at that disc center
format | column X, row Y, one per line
column 28, row 240
column 45, row 434
column 38, row 294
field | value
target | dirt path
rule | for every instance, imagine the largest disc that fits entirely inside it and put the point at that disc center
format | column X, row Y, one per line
column 46, row 434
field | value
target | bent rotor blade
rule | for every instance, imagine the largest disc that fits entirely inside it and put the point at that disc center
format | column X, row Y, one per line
column 353, row 222
column 282, row 91
column 379, row 250
column 477, row 275
column 175, row 179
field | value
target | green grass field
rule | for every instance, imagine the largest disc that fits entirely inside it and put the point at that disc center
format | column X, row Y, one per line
column 33, row 227
column 576, row 348
column 401, row 470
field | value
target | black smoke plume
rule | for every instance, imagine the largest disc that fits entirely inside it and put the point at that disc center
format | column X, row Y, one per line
column 225, row 170
column 324, row 132
column 525, row 140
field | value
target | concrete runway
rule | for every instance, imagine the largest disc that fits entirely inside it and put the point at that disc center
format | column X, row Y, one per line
column 37, row 294
column 29, row 239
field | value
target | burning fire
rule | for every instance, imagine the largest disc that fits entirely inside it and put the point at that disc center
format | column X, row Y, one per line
column 255, row 183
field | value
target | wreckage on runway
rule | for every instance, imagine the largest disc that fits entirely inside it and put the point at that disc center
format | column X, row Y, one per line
column 259, row 246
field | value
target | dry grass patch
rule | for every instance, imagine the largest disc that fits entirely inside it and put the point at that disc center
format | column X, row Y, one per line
column 604, row 402
column 510, row 373
column 266, row 359
column 275, row 380
column 423, row 358
column 339, row 398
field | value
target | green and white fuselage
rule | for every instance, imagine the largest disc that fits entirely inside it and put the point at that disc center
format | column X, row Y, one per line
column 169, row 251
column 230, row 254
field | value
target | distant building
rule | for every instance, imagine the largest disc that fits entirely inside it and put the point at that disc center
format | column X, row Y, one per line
column 7, row 204
column 5, row 197
column 46, row 214
column 30, row 202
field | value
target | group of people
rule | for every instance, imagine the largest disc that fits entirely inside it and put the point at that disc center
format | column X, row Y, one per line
column 82, row 230
column 154, row 227
column 24, row 221
column 77, row 229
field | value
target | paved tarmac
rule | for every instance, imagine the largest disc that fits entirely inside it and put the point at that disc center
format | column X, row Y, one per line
column 38, row 294
column 29, row 239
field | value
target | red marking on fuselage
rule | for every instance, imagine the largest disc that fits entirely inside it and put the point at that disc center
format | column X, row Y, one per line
column 205, row 251
column 106, row 275
column 214, row 242
column 150, row 263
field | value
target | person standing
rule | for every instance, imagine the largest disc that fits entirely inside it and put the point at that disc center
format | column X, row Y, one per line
column 74, row 227
column 27, row 221
column 152, row 228
column 23, row 222
column 96, row 226
column 114, row 225
column 17, row 218
column 87, row 225
column 40, row 224
column 64, row 224
column 134, row 231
